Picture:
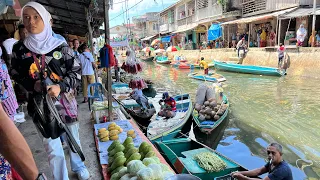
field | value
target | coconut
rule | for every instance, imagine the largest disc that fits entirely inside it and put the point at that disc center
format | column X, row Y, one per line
column 216, row 117
column 202, row 117
column 206, row 103
column 213, row 104
column 197, row 107
column 220, row 112
column 203, row 107
column 202, row 111
column 208, row 117
column 208, row 111
column 213, row 113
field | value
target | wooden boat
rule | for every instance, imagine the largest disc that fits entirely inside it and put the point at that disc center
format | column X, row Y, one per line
column 209, row 125
column 164, row 129
column 147, row 58
column 213, row 77
column 163, row 60
column 248, row 69
column 197, row 66
column 179, row 154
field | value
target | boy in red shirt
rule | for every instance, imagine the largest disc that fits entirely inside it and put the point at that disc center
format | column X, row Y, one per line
column 168, row 106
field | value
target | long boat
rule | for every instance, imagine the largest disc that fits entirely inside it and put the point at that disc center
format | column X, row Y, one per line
column 164, row 129
column 210, row 77
column 210, row 125
column 180, row 153
column 248, row 69
column 163, row 60
column 147, row 58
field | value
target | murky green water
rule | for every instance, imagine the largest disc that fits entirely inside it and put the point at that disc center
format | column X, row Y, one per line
column 263, row 110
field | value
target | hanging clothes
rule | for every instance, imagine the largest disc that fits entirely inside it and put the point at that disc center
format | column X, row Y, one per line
column 106, row 57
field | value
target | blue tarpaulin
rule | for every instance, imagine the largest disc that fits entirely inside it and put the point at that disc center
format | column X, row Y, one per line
column 215, row 31
column 166, row 39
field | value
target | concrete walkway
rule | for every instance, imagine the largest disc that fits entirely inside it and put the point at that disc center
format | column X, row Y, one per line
column 30, row 133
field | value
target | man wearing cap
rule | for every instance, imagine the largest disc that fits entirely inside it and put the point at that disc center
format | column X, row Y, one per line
column 277, row 168
column 168, row 106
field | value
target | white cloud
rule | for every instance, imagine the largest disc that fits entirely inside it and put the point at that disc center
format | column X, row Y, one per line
column 145, row 5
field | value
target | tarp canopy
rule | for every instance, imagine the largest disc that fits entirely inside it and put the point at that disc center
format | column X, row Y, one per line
column 300, row 12
column 148, row 38
column 166, row 39
column 123, row 43
column 258, row 18
column 214, row 32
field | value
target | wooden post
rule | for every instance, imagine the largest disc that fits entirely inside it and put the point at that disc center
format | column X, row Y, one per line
column 90, row 31
column 279, row 32
column 277, row 27
column 314, row 21
column 107, row 40
column 228, row 35
column 249, row 35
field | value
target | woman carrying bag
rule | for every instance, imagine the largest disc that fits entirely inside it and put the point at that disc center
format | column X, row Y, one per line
column 46, row 67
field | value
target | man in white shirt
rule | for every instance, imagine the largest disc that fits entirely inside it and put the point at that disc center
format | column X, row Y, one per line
column 87, row 66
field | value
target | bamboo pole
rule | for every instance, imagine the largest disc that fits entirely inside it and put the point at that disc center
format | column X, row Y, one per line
column 107, row 41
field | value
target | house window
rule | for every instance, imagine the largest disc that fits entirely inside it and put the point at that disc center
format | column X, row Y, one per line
column 202, row 4
column 155, row 26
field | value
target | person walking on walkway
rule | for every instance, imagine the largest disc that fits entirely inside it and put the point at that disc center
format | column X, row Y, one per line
column 88, row 67
column 57, row 65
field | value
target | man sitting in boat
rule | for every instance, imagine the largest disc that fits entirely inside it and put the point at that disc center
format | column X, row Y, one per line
column 276, row 167
column 205, row 66
column 138, row 96
column 168, row 106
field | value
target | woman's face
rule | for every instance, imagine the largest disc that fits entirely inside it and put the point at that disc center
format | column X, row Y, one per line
column 32, row 21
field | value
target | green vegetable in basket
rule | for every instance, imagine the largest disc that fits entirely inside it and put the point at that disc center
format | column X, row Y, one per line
column 210, row 162
column 134, row 166
column 131, row 151
column 147, row 161
column 115, row 176
column 127, row 141
column 118, row 148
column 145, row 174
column 111, row 159
column 119, row 161
column 117, row 170
column 134, row 156
column 113, row 145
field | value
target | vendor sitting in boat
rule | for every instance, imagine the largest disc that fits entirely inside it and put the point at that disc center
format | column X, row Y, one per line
column 138, row 96
column 276, row 167
column 168, row 106
column 205, row 66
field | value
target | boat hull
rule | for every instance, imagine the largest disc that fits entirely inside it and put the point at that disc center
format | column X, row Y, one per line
column 210, row 78
column 208, row 129
column 147, row 59
column 247, row 69
column 173, row 131
column 179, row 154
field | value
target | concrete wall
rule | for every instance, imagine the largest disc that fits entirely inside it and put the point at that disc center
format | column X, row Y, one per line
column 304, row 61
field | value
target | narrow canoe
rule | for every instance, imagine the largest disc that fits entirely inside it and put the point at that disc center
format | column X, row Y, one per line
column 209, row 125
column 248, row 69
column 210, row 77
column 180, row 153
column 163, row 60
column 164, row 129
column 146, row 58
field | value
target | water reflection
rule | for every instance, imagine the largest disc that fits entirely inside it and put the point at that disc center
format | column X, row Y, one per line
column 263, row 110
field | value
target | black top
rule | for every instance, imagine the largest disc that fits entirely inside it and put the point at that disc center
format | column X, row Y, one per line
column 281, row 172
column 62, row 65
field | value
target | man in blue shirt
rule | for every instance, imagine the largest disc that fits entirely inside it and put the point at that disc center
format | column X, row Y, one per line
column 277, row 168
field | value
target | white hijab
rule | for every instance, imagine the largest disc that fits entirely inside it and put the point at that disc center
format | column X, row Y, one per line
column 301, row 33
column 43, row 42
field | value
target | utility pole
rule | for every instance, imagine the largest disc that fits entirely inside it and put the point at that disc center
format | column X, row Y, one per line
column 314, row 20
column 107, row 41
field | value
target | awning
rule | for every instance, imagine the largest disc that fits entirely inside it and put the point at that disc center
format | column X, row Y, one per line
column 300, row 12
column 186, row 28
column 166, row 39
column 214, row 32
column 258, row 18
column 148, row 38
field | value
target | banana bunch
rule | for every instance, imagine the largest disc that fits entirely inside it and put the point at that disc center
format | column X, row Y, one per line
column 131, row 133
column 103, row 134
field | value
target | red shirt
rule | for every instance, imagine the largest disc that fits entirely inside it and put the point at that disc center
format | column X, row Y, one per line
column 171, row 103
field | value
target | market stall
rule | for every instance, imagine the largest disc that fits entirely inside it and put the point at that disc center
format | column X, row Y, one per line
column 131, row 130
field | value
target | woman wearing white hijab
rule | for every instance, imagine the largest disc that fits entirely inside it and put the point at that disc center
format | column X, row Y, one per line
column 301, row 35
column 41, row 56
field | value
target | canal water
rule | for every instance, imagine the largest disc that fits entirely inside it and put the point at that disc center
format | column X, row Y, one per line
column 263, row 110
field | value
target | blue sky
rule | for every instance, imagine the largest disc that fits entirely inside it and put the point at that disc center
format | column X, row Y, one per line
column 140, row 9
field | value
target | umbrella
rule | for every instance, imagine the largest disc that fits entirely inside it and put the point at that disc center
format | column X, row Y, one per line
column 147, row 49
column 159, row 51
column 173, row 48
column 156, row 41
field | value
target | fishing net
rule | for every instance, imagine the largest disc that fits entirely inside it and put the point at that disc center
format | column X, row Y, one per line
column 210, row 162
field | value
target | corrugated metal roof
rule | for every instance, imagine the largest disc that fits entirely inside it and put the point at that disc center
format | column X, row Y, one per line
column 300, row 12
column 258, row 18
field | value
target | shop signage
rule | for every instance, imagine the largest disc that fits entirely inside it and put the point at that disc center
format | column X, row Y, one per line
column 164, row 27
